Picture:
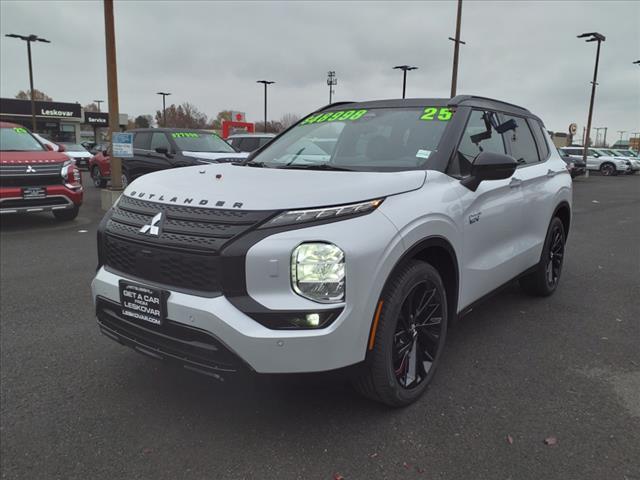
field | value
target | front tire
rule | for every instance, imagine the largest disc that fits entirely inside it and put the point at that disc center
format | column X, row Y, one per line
column 66, row 215
column 98, row 181
column 409, row 338
column 544, row 280
column 608, row 169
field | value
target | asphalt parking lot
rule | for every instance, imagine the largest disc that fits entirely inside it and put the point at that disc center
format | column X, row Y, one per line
column 516, row 371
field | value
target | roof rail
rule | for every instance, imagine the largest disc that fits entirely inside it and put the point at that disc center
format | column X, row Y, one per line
column 459, row 99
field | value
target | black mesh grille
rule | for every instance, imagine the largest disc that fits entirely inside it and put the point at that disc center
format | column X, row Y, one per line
column 185, row 253
column 34, row 202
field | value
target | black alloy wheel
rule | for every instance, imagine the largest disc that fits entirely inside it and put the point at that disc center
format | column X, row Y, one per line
column 556, row 256
column 408, row 336
column 416, row 341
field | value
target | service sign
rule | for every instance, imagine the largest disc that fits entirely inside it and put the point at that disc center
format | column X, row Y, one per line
column 122, row 145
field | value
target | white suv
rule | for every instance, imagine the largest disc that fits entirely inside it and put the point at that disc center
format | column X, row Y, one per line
column 354, row 239
column 597, row 160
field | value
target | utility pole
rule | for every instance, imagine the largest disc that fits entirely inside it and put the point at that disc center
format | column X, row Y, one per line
column 112, row 88
column 405, row 69
column 622, row 132
column 596, row 143
column 332, row 80
column 98, row 102
column 164, row 108
column 591, row 37
column 266, row 83
column 456, row 49
column 29, row 39
column 604, row 142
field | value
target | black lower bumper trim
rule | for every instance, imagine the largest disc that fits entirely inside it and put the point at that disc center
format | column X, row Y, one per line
column 192, row 348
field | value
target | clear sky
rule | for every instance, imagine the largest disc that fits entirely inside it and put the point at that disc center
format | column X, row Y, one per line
column 211, row 54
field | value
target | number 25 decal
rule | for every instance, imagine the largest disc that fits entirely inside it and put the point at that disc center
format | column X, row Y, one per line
column 433, row 113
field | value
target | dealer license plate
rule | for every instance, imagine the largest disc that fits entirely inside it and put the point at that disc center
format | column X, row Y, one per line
column 140, row 302
column 34, row 192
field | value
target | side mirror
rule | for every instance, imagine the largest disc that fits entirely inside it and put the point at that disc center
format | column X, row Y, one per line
column 162, row 150
column 61, row 148
column 48, row 147
column 489, row 166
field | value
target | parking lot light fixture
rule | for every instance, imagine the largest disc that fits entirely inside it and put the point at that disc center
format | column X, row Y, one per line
column 30, row 38
column 98, row 102
column 164, row 107
column 637, row 62
column 405, row 69
column 591, row 37
column 266, row 83
column 332, row 81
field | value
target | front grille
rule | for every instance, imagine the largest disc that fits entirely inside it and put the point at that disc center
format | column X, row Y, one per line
column 190, row 346
column 30, row 175
column 185, row 254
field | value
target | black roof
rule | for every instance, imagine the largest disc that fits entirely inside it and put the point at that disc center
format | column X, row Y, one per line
column 459, row 100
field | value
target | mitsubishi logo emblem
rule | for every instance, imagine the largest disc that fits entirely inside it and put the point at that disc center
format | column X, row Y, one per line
column 30, row 169
column 152, row 228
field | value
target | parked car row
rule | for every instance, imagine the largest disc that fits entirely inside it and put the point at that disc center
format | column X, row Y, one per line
column 606, row 161
column 157, row 149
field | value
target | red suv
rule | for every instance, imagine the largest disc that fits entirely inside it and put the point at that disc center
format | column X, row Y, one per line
column 35, row 179
column 100, row 168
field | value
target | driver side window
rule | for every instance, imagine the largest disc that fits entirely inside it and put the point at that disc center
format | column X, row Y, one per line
column 479, row 136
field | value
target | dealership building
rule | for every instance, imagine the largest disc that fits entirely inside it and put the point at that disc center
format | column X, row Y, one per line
column 61, row 122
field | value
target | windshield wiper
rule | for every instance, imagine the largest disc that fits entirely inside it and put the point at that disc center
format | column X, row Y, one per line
column 252, row 164
column 317, row 166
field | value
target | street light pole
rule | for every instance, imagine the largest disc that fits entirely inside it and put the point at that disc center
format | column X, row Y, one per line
column 405, row 69
column 456, row 50
column 265, row 83
column 591, row 37
column 164, row 107
column 29, row 39
column 98, row 102
column 621, row 132
column 331, row 81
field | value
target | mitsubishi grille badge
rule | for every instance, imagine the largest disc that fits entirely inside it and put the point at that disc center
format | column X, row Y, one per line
column 30, row 169
column 153, row 227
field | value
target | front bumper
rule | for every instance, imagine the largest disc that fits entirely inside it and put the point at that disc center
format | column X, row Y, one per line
column 58, row 197
column 266, row 350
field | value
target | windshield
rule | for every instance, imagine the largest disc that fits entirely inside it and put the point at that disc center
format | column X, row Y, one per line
column 381, row 139
column 74, row 147
column 201, row 142
column 18, row 140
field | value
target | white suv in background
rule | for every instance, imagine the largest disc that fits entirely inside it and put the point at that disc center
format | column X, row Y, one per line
column 607, row 164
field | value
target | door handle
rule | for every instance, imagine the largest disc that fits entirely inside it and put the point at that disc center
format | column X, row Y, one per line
column 551, row 173
column 515, row 182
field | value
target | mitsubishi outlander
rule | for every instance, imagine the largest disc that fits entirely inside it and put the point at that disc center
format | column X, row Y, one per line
column 353, row 239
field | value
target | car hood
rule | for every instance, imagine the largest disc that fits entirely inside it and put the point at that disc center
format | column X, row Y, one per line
column 231, row 186
column 25, row 158
column 216, row 155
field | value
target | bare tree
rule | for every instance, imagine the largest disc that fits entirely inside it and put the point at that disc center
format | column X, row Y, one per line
column 37, row 95
column 182, row 116
column 289, row 119
column 92, row 107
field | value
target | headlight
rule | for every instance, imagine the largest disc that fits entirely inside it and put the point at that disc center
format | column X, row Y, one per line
column 318, row 272
column 301, row 216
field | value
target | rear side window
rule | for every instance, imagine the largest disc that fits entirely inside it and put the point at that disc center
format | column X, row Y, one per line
column 523, row 146
column 159, row 140
column 541, row 141
column 479, row 136
column 142, row 140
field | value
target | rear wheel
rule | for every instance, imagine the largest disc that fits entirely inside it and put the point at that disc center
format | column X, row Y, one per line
column 98, row 181
column 66, row 215
column 608, row 169
column 125, row 179
column 544, row 280
column 409, row 338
